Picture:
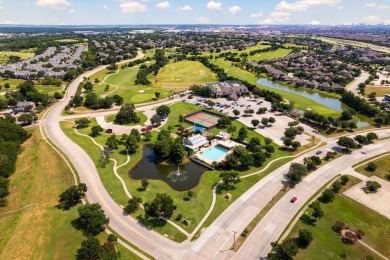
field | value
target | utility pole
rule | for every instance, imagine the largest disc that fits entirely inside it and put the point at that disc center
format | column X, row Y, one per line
column 234, row 239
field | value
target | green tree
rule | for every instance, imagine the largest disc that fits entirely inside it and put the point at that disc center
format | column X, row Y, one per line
column 133, row 205
column 163, row 111
column 371, row 137
column 82, row 122
column 26, row 118
column 231, row 129
column 236, row 112
column 255, row 122
column 72, row 196
column 177, row 152
column 347, row 142
column 144, row 184
column 296, row 144
column 242, row 134
column 155, row 120
column 127, row 115
column 296, row 172
column 344, row 179
column 317, row 211
column 327, row 196
column 90, row 249
column 271, row 120
column 228, row 177
column 287, row 142
column 161, row 206
column 112, row 142
column 157, row 95
column 131, row 144
column 283, row 251
column 373, row 186
column 337, row 186
column 224, row 122
column 88, row 86
column 91, row 100
column 92, row 219
column 361, row 139
column 305, row 237
column 181, row 119
column 371, row 166
column 148, row 136
column 96, row 130
column 264, row 121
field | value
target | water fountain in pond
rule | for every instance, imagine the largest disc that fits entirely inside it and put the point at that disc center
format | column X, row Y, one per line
column 178, row 176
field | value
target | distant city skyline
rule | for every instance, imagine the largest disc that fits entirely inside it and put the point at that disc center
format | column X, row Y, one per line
column 105, row 12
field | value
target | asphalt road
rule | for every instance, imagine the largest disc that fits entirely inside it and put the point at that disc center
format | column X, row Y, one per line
column 217, row 239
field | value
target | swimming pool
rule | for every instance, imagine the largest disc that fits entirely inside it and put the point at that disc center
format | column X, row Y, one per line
column 200, row 128
column 214, row 153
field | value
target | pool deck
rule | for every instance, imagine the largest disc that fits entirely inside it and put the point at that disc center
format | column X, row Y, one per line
column 198, row 156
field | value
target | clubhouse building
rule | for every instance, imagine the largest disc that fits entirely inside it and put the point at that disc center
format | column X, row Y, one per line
column 230, row 90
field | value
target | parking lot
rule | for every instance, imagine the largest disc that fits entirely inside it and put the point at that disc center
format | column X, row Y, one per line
column 275, row 132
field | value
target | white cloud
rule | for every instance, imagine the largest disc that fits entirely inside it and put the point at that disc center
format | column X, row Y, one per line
column 104, row 7
column 1, row 7
column 185, row 8
column 374, row 5
column 283, row 10
column 202, row 19
column 371, row 19
column 132, row 7
column 369, row 5
column 9, row 22
column 256, row 15
column 214, row 6
column 340, row 7
column 235, row 9
column 314, row 22
column 163, row 5
column 276, row 17
column 72, row 11
column 303, row 5
column 55, row 4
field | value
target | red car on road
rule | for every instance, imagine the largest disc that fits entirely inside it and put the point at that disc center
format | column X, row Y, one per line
column 293, row 199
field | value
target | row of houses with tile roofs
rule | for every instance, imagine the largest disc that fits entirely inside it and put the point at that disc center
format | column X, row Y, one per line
column 54, row 62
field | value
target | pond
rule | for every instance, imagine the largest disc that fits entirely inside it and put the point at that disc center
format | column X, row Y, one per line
column 323, row 99
column 182, row 178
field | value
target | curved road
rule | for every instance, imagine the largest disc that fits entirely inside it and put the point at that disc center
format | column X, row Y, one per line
column 215, row 241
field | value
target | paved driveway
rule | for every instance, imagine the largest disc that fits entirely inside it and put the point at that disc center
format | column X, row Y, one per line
column 378, row 201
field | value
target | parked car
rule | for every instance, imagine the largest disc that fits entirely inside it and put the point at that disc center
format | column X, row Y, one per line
column 318, row 152
column 293, row 199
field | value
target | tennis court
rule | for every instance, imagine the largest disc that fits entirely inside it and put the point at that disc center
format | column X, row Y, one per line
column 202, row 118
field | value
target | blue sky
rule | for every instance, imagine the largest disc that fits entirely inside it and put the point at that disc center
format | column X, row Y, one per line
column 58, row 12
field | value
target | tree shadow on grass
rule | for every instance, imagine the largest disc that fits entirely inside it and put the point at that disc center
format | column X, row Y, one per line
column 307, row 220
column 150, row 223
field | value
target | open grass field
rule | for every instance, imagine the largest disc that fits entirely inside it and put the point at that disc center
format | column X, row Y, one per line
column 140, row 114
column 173, row 77
column 300, row 101
column 48, row 89
column 31, row 226
column 380, row 91
column 24, row 55
column 270, row 54
column 13, row 83
column 260, row 45
column 382, row 171
column 327, row 244
column 184, row 74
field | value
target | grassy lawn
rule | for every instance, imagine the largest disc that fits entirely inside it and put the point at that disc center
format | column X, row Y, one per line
column 184, row 74
column 13, row 82
column 48, row 89
column 300, row 101
column 40, row 231
column 380, row 91
column 382, row 171
column 172, row 77
column 327, row 244
column 259, row 46
column 24, row 55
column 140, row 114
column 270, row 54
